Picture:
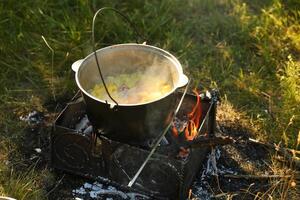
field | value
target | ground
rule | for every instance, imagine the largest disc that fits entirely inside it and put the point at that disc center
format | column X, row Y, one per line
column 249, row 50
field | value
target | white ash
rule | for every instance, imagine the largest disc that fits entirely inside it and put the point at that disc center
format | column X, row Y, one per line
column 223, row 170
column 96, row 190
column 38, row 150
column 201, row 187
column 96, row 186
column 87, row 185
column 32, row 118
column 211, row 166
column 84, row 126
column 80, row 190
column 201, row 192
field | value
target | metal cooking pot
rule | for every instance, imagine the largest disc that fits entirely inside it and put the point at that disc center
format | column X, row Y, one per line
column 137, row 122
column 133, row 123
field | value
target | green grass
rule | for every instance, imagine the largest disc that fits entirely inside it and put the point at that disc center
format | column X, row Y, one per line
column 249, row 49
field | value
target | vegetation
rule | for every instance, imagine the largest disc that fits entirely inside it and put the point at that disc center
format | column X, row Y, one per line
column 248, row 49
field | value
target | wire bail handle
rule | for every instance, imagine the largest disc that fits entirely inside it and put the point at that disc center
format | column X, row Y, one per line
column 126, row 19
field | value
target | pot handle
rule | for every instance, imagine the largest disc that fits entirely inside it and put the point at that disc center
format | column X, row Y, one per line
column 138, row 35
column 125, row 18
column 75, row 66
column 183, row 80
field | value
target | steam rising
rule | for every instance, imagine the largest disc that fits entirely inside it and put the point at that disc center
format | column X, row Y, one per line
column 140, row 83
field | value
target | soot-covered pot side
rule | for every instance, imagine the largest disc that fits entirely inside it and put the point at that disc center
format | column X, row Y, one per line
column 133, row 123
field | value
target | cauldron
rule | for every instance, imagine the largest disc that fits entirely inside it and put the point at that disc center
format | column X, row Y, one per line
column 139, row 122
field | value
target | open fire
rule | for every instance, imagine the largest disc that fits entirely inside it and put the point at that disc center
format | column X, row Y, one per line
column 189, row 128
column 168, row 174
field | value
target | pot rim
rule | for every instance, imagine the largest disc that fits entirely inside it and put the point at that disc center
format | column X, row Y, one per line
column 159, row 50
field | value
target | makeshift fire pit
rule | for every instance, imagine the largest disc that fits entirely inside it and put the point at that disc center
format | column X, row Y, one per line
column 78, row 149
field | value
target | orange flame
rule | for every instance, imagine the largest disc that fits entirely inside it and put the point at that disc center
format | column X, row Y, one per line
column 175, row 131
column 191, row 129
column 194, row 119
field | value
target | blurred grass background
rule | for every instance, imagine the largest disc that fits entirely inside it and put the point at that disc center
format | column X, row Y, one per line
column 248, row 49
